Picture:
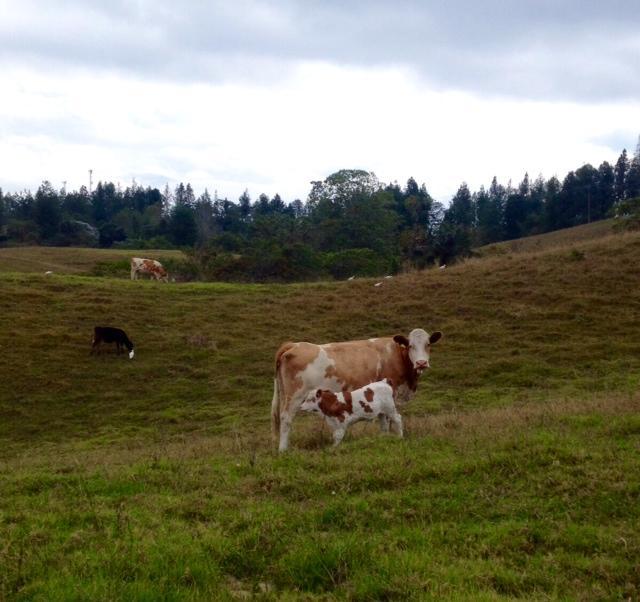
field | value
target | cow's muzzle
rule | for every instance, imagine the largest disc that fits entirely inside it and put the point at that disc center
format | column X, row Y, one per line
column 421, row 366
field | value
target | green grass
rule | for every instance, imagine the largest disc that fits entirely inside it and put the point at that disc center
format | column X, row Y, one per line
column 69, row 260
column 155, row 479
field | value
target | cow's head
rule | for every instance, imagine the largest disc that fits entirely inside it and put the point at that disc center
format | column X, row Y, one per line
column 311, row 402
column 418, row 347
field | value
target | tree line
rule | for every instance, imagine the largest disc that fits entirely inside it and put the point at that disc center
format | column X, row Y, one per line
column 350, row 224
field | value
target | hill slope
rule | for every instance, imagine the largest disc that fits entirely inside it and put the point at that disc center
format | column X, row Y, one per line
column 70, row 260
column 155, row 477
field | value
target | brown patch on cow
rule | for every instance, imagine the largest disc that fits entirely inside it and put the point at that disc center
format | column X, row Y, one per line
column 330, row 405
column 281, row 351
column 154, row 267
column 365, row 406
column 410, row 373
column 368, row 394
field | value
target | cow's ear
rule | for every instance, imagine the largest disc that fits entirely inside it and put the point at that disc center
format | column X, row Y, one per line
column 401, row 340
column 318, row 393
column 435, row 337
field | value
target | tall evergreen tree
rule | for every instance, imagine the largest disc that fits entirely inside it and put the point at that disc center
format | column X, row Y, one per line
column 632, row 180
column 605, row 196
column 48, row 213
column 620, row 173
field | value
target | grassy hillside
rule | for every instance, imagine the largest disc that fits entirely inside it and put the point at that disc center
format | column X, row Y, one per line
column 155, row 478
column 69, row 260
column 553, row 240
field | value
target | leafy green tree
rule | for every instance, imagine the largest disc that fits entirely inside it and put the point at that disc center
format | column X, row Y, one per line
column 349, row 209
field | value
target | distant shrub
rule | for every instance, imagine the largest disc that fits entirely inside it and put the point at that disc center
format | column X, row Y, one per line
column 112, row 269
column 627, row 214
column 355, row 262
column 576, row 255
column 157, row 242
column 75, row 233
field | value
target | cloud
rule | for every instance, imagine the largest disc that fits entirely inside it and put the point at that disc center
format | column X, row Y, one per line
column 575, row 49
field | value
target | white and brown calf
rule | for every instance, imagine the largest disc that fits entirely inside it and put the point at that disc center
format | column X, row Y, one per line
column 373, row 401
column 153, row 268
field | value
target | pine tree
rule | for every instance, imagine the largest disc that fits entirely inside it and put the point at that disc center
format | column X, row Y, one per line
column 48, row 213
column 605, row 195
column 632, row 179
column 620, row 173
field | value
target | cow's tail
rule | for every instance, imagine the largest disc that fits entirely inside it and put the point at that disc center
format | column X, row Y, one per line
column 275, row 409
column 278, row 392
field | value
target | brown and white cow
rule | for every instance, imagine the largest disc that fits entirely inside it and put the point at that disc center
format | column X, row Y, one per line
column 304, row 367
column 152, row 267
column 374, row 401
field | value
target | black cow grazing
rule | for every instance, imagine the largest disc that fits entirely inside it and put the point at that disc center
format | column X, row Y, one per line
column 107, row 334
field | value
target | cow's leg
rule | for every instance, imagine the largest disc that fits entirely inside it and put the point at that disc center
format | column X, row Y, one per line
column 338, row 435
column 396, row 420
column 285, row 428
column 286, row 418
column 383, row 420
column 134, row 273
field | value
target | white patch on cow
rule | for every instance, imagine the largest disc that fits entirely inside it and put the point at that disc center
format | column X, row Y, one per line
column 314, row 375
column 372, row 340
column 131, row 354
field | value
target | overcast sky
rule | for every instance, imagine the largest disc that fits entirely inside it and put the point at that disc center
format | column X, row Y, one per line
column 270, row 95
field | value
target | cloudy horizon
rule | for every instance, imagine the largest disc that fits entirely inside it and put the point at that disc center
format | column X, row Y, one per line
column 269, row 96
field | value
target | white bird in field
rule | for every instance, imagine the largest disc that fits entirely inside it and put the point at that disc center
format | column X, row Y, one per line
column 377, row 284
column 351, row 278
column 48, row 273
column 442, row 267
column 387, row 277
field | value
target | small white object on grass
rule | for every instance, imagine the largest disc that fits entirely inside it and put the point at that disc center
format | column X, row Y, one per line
column 377, row 284
column 131, row 354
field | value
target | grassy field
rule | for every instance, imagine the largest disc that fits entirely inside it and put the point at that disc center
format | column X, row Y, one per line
column 553, row 240
column 68, row 260
column 155, row 479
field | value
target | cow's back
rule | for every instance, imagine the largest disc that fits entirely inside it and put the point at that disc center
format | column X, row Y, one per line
column 343, row 366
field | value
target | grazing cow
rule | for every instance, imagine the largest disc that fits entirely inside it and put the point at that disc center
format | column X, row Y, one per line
column 343, row 409
column 304, row 367
column 148, row 266
column 107, row 334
